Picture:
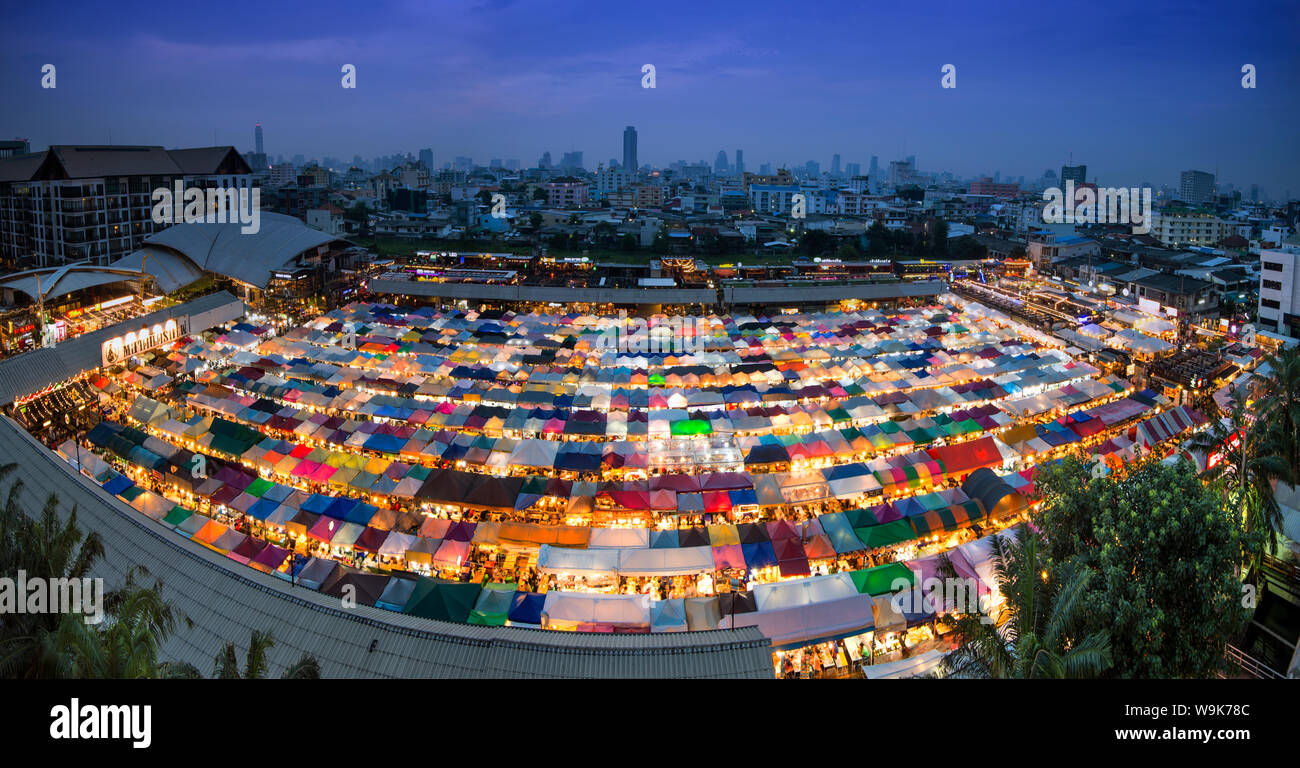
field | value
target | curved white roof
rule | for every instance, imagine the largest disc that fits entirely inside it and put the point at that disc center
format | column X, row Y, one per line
column 248, row 258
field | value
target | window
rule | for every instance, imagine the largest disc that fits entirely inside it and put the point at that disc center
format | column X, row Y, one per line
column 1270, row 303
column 1272, row 266
column 1272, row 285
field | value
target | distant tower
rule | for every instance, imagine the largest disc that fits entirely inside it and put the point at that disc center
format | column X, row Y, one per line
column 257, row 137
column 629, row 149
column 740, row 162
column 835, row 165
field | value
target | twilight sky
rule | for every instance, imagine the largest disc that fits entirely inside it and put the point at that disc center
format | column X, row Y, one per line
column 1137, row 91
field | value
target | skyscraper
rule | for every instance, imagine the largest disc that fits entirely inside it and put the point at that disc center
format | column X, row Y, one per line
column 835, row 165
column 426, row 157
column 1076, row 173
column 257, row 138
column 1196, row 187
column 740, row 162
column 720, row 165
column 629, row 148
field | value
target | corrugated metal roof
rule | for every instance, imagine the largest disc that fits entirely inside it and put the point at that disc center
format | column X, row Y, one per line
column 226, row 601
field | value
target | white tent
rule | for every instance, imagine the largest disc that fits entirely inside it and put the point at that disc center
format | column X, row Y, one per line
column 818, row 589
column 665, row 562
column 804, row 624
column 619, row 538
column 590, row 607
column 577, row 562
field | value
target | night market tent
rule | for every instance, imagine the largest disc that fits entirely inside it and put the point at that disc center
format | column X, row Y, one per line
column 526, row 608
column 442, row 600
column 805, row 624
column 818, row 589
column 915, row 666
column 493, row 606
column 665, row 562
column 576, row 609
column 668, row 616
column 318, row 571
column 396, row 594
column 883, row 579
column 841, row 535
column 578, row 562
column 364, row 588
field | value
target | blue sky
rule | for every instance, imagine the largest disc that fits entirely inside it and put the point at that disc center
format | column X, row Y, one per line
column 1137, row 91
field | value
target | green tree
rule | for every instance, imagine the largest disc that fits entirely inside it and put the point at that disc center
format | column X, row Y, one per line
column 1164, row 552
column 540, row 194
column 937, row 236
column 815, row 242
column 1249, row 463
column 1037, row 631
column 1279, row 404
column 137, row 621
column 255, row 661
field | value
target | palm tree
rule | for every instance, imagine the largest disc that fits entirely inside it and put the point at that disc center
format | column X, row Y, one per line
column 1252, row 461
column 1279, row 404
column 137, row 621
column 255, row 663
column 1034, row 636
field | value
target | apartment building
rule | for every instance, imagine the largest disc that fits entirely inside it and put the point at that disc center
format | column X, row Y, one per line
column 74, row 203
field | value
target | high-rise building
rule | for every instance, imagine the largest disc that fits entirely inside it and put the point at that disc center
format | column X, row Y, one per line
column 1196, row 187
column 720, row 164
column 1076, row 173
column 545, row 162
column 740, row 162
column 852, row 169
column 813, row 168
column 257, row 139
column 571, row 161
column 629, row 148
column 71, row 203
column 426, row 158
column 835, row 165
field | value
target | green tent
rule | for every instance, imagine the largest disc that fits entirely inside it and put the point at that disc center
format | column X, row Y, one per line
column 692, row 427
column 443, row 600
column 177, row 515
column 493, row 604
column 860, row 518
column 886, row 534
column 259, row 487
column 881, row 579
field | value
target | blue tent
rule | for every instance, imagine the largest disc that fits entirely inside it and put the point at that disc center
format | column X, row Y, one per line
column 317, row 503
column 837, row 529
column 340, row 507
column 360, row 514
column 262, row 508
column 118, row 484
column 759, row 554
column 666, row 539
column 384, row 443
column 526, row 608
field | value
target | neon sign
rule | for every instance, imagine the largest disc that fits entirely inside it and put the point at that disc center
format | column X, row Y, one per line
column 120, row 348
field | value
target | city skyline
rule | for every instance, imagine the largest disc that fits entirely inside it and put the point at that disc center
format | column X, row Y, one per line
column 456, row 88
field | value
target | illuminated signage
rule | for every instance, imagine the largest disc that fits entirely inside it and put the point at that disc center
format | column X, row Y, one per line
column 120, row 348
